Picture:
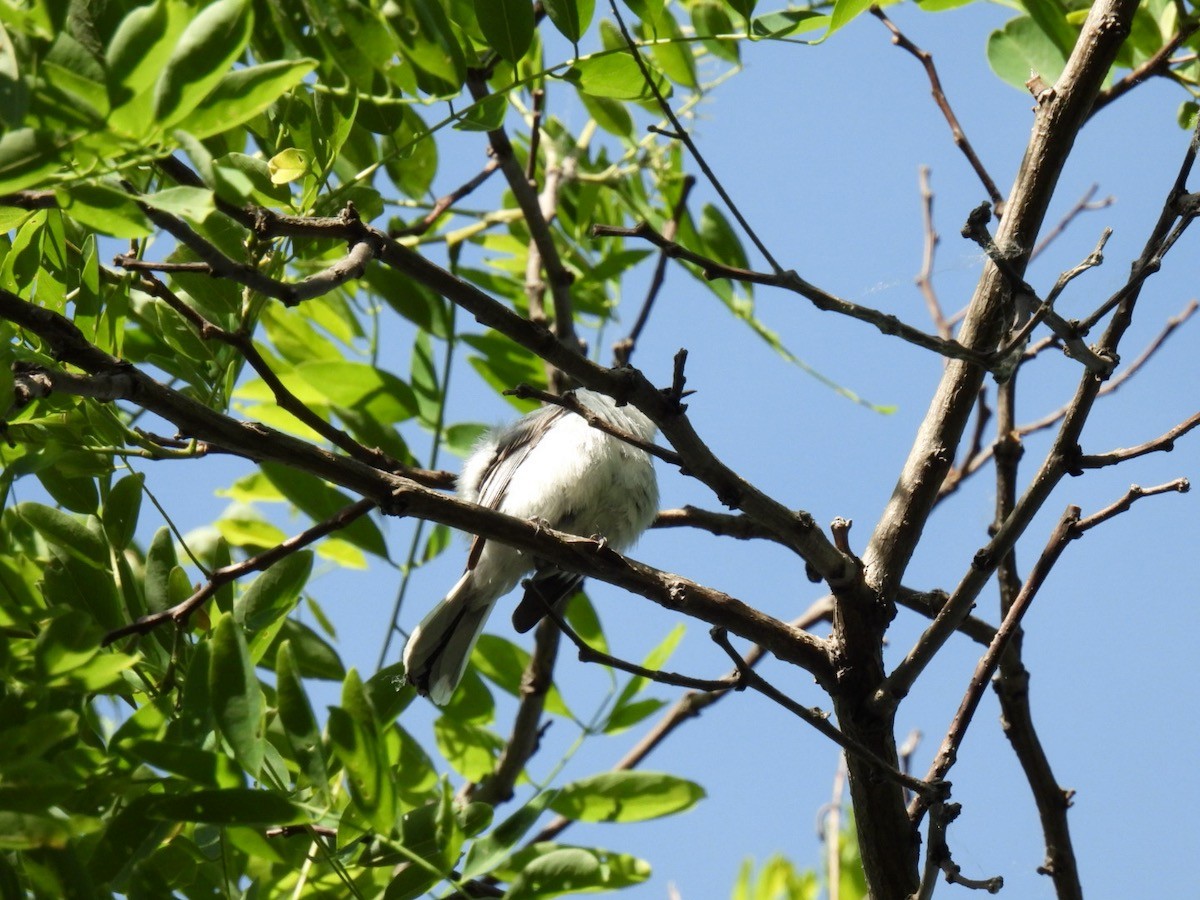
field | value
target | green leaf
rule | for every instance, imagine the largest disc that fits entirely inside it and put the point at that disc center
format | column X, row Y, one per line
column 298, row 721
column 570, row 17
column 78, row 494
column 121, row 509
column 626, row 797
column 507, row 25
column 200, row 766
column 1022, row 47
column 104, row 208
column 488, row 852
column 288, row 165
column 67, row 532
column 320, row 501
column 548, row 870
column 139, row 49
column 611, row 115
column 359, row 386
column 160, row 563
column 630, row 714
column 471, row 750
column 189, row 202
column 710, row 19
column 484, row 115
column 504, row 663
column 244, row 93
column 231, row 806
column 236, row 697
column 427, row 40
column 615, row 75
column 209, row 45
column 846, row 11
column 787, row 21
column 274, row 593
column 672, row 53
column 314, row 655
column 356, row 741
column 1051, row 19
column 27, row 157
column 32, row 739
column 26, row 831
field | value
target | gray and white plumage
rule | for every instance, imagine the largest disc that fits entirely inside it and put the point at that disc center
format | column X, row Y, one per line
column 550, row 466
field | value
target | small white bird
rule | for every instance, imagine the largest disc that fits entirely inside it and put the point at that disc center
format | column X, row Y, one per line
column 550, row 466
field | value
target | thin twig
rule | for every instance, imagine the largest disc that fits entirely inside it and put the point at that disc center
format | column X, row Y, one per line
column 939, row 97
column 1158, row 64
column 536, row 219
column 1165, row 443
column 929, row 249
column 1084, row 204
column 680, row 134
column 1023, row 294
column 1070, row 526
column 819, row 720
column 623, row 349
column 443, row 203
column 688, row 707
column 224, row 575
column 790, row 281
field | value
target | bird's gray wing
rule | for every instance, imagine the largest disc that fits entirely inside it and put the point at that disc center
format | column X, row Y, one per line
column 513, row 445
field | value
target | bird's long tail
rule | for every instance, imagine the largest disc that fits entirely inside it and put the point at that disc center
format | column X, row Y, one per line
column 436, row 654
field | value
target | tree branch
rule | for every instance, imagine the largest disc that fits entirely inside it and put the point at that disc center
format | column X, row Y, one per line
column 925, row 58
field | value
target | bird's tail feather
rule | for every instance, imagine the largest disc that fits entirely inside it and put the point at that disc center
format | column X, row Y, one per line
column 437, row 652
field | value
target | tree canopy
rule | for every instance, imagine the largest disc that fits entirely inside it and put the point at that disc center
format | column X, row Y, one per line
column 249, row 244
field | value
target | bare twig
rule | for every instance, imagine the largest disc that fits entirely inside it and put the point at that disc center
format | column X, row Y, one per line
column 1084, row 204
column 224, row 575
column 680, row 134
column 1158, row 64
column 284, row 398
column 1025, row 295
column 623, row 349
column 820, row 721
column 536, row 218
column 1165, row 443
column 525, row 737
column 939, row 97
column 445, row 202
column 822, row 300
column 688, row 707
column 1070, row 526
column 938, row 859
column 929, row 248
column 1135, row 493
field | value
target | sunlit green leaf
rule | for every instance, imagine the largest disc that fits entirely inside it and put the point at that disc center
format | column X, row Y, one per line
column 203, row 54
column 507, row 25
column 626, row 797
column 236, row 696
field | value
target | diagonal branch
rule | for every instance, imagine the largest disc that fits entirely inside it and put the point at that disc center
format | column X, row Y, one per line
column 925, row 58
column 789, row 280
column 180, row 612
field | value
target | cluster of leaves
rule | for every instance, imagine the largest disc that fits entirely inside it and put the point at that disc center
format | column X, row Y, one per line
column 154, row 766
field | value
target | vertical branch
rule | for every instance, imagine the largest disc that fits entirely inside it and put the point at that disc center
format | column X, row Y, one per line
column 1012, row 682
column 925, row 276
column 1059, row 116
column 557, row 276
